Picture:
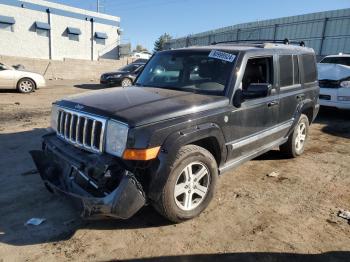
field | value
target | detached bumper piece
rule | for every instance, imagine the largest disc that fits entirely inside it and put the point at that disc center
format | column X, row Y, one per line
column 97, row 183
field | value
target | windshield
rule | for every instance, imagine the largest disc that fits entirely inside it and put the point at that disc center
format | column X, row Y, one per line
column 129, row 68
column 337, row 60
column 5, row 67
column 196, row 71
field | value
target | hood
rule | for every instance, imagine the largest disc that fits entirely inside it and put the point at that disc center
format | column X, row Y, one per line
column 143, row 105
column 332, row 71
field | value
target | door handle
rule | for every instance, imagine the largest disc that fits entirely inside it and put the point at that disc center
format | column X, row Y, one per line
column 300, row 97
column 273, row 103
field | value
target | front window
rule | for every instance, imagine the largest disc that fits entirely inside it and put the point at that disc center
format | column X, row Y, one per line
column 194, row 71
column 337, row 60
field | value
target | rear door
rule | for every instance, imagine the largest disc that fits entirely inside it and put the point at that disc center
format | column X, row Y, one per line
column 289, row 83
column 297, row 83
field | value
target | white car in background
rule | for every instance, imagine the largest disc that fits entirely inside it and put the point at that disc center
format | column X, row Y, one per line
column 334, row 81
column 141, row 55
column 23, row 81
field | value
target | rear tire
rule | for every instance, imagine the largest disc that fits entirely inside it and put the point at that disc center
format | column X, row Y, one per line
column 190, row 185
column 25, row 85
column 126, row 82
column 295, row 145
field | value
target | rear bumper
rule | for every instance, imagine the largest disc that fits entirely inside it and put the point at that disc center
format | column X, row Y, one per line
column 65, row 170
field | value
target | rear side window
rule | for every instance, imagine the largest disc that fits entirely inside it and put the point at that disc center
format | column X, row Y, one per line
column 286, row 70
column 289, row 70
column 296, row 70
column 309, row 66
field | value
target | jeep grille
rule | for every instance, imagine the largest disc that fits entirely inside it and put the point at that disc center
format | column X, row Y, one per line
column 83, row 130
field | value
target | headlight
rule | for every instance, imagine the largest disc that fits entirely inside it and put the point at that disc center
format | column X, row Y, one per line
column 345, row 84
column 344, row 98
column 116, row 137
column 54, row 117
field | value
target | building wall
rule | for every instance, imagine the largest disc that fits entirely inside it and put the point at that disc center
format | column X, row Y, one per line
column 110, row 49
column 326, row 32
column 25, row 42
column 68, row 68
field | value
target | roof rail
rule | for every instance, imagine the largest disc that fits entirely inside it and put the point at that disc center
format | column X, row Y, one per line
column 285, row 41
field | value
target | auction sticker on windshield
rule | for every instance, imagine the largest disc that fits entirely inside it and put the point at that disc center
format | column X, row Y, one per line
column 222, row 55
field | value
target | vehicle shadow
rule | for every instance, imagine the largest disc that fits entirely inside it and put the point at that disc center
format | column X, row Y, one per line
column 90, row 86
column 26, row 197
column 337, row 122
column 253, row 256
column 271, row 155
column 8, row 91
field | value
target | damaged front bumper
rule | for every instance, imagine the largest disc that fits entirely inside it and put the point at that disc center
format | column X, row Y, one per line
column 98, row 183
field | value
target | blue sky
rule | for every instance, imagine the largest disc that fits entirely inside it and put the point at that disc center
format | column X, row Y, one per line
column 144, row 21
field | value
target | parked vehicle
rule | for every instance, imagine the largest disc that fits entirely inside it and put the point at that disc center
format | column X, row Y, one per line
column 125, row 76
column 334, row 81
column 142, row 55
column 17, row 78
column 193, row 114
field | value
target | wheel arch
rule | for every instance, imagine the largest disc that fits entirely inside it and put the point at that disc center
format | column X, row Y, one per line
column 26, row 77
column 208, row 136
column 309, row 112
column 127, row 77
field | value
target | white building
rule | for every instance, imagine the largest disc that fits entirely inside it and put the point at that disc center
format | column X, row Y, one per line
column 41, row 29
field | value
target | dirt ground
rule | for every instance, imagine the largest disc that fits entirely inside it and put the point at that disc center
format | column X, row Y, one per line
column 253, row 217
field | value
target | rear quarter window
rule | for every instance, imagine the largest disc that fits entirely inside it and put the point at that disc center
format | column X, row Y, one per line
column 309, row 66
column 289, row 70
column 286, row 70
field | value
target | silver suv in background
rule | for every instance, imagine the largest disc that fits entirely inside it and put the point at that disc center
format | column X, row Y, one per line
column 334, row 81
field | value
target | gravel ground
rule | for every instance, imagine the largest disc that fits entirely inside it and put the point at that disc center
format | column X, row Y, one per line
column 254, row 217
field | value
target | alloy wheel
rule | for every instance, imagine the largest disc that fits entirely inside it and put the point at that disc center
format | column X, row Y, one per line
column 26, row 86
column 126, row 82
column 192, row 186
column 301, row 136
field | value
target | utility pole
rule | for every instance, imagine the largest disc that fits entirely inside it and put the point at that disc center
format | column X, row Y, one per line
column 100, row 5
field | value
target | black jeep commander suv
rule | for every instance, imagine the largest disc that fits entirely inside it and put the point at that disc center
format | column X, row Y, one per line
column 192, row 114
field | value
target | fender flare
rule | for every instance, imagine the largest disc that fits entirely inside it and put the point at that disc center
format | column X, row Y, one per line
column 302, row 107
column 171, row 146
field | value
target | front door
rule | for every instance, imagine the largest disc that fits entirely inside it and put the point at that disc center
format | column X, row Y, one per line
column 6, row 77
column 253, row 125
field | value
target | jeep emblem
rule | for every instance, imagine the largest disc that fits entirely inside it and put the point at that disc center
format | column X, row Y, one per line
column 79, row 107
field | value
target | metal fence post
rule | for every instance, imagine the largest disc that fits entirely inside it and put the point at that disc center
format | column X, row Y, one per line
column 323, row 35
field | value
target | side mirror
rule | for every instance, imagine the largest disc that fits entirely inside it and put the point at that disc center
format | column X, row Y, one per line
column 256, row 90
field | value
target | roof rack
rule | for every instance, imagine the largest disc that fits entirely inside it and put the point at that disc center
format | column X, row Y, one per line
column 285, row 41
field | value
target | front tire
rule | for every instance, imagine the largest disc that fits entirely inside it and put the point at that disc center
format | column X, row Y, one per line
column 190, row 185
column 295, row 145
column 25, row 85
